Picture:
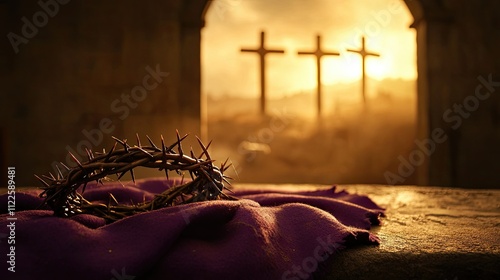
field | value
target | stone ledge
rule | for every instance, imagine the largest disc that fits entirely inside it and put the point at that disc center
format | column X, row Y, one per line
column 373, row 263
column 428, row 233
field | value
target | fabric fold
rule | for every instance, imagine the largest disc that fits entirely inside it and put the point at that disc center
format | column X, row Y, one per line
column 264, row 235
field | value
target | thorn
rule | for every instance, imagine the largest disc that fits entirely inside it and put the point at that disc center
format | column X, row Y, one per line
column 234, row 168
column 144, row 151
column 163, row 145
column 41, row 180
column 123, row 142
column 225, row 179
column 164, row 154
column 138, row 140
column 179, row 142
column 132, row 174
column 114, row 198
column 192, row 153
column 65, row 166
column 125, row 145
column 152, row 144
column 223, row 166
column 84, row 186
column 110, row 152
column 226, row 167
column 51, row 176
column 225, row 162
column 89, row 154
column 121, row 183
column 121, row 175
column 205, row 149
column 209, row 143
column 76, row 160
column 59, row 173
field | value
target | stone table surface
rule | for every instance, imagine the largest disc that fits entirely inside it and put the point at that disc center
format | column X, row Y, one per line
column 428, row 233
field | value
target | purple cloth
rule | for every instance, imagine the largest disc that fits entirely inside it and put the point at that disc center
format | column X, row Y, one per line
column 265, row 235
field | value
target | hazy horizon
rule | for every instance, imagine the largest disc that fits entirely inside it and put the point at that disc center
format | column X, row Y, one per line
column 373, row 86
column 337, row 99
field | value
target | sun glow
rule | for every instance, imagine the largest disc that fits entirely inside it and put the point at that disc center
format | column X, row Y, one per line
column 346, row 68
column 228, row 71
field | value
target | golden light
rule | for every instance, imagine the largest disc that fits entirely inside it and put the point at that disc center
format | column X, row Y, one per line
column 378, row 69
column 343, row 69
column 228, row 72
column 231, row 79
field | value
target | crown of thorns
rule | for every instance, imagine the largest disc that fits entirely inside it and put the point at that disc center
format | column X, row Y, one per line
column 63, row 195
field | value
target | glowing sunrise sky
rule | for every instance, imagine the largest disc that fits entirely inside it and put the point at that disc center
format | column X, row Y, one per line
column 292, row 25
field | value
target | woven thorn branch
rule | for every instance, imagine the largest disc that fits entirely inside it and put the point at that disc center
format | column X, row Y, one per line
column 63, row 195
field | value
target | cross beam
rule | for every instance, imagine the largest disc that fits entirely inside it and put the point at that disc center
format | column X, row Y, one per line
column 364, row 53
column 319, row 54
column 262, row 52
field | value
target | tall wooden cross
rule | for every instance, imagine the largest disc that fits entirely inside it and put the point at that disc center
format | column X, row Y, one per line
column 262, row 52
column 319, row 54
column 364, row 53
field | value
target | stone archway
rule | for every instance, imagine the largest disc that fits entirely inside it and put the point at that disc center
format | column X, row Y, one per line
column 458, row 64
column 192, row 17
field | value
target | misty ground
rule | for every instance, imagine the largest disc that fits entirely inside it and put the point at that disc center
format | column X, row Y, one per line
column 350, row 144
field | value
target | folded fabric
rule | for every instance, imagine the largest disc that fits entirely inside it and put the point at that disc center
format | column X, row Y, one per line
column 264, row 235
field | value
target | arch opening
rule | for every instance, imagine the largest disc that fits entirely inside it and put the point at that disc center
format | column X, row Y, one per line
column 352, row 141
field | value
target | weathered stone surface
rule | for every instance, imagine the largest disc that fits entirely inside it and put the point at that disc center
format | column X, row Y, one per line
column 455, row 46
column 78, row 69
column 428, row 233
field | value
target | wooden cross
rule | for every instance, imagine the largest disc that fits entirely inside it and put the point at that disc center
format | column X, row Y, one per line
column 363, row 54
column 262, row 52
column 319, row 54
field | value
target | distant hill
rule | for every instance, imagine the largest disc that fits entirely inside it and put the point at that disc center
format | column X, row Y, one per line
column 351, row 143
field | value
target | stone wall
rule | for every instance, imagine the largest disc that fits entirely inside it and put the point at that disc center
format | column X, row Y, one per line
column 77, row 72
column 459, row 90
